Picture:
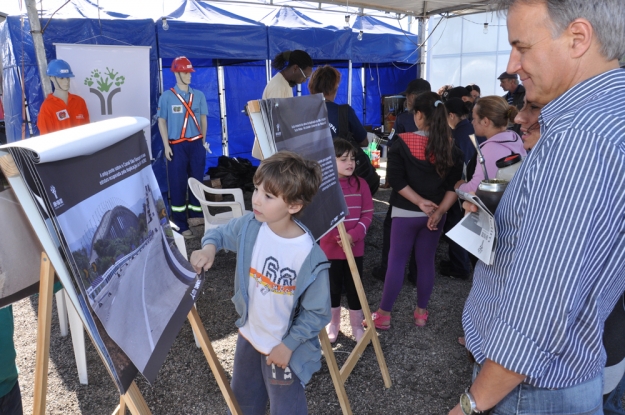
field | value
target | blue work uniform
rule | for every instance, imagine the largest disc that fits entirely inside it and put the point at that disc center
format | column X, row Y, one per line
column 185, row 140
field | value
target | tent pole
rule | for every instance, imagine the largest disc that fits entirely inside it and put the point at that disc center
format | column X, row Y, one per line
column 422, row 23
column 349, row 85
column 364, row 94
column 268, row 69
column 35, row 30
column 222, row 109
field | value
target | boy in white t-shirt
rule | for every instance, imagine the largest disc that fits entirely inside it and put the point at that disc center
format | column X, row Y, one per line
column 281, row 289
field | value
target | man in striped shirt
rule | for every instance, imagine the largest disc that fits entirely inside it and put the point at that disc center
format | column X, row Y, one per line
column 534, row 319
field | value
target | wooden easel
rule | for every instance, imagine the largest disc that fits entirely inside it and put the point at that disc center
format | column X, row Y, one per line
column 132, row 399
column 339, row 377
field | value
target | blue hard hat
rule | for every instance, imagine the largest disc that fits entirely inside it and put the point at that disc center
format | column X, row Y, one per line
column 60, row 69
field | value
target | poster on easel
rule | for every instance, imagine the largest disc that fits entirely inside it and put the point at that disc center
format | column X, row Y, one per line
column 94, row 188
column 300, row 125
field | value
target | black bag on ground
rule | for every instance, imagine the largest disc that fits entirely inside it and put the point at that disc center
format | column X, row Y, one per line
column 234, row 172
column 363, row 168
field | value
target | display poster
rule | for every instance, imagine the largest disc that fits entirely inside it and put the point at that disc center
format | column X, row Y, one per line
column 300, row 125
column 114, row 80
column 106, row 213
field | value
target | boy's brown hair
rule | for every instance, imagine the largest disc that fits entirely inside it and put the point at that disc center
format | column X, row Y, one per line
column 290, row 176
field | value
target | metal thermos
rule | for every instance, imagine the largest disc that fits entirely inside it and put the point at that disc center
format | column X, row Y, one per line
column 490, row 192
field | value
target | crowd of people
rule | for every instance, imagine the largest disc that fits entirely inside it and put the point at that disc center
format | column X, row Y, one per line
column 544, row 324
column 535, row 319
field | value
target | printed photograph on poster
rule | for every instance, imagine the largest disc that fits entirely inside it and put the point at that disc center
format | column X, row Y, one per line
column 20, row 250
column 113, row 220
column 300, row 124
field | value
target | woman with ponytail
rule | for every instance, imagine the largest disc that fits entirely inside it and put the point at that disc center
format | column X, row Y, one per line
column 295, row 68
column 491, row 117
column 422, row 169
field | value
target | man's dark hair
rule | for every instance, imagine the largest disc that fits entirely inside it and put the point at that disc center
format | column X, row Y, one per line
column 290, row 58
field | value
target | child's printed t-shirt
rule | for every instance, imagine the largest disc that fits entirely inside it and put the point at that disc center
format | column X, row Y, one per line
column 273, row 272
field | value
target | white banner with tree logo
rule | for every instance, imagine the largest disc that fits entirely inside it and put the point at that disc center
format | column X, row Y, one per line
column 113, row 80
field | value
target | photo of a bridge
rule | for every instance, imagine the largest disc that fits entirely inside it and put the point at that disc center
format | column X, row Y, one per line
column 134, row 276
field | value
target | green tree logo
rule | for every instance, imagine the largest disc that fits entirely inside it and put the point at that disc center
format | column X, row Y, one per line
column 104, row 82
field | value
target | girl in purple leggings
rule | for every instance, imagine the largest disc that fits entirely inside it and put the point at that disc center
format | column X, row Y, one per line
column 423, row 167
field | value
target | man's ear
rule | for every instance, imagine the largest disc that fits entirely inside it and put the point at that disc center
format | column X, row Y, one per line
column 581, row 35
column 295, row 208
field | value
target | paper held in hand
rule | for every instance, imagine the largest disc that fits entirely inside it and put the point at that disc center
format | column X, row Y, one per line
column 476, row 232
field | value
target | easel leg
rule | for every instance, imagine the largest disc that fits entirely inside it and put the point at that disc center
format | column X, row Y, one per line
column 213, row 362
column 326, row 346
column 367, row 312
column 135, row 402
column 121, row 408
column 46, row 282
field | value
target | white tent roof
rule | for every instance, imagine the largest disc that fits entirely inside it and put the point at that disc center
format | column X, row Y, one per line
column 425, row 8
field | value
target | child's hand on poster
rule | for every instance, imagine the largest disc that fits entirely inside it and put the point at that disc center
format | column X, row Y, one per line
column 280, row 355
column 203, row 259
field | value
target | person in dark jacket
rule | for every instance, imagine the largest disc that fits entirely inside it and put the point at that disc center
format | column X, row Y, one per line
column 515, row 93
column 405, row 121
column 422, row 169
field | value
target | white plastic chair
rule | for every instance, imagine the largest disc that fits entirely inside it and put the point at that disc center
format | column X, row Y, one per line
column 212, row 221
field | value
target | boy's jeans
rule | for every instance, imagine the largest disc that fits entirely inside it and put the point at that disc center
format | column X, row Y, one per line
column 254, row 382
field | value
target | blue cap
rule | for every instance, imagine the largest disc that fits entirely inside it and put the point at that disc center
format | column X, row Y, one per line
column 60, row 69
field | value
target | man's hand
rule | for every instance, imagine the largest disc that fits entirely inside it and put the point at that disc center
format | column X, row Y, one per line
column 204, row 258
column 280, row 355
column 168, row 152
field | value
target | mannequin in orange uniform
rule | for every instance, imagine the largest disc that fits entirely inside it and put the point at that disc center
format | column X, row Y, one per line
column 61, row 110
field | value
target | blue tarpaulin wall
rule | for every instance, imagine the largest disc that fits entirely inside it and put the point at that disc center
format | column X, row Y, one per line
column 381, row 80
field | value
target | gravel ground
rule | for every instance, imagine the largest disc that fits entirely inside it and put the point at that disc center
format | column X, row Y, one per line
column 428, row 368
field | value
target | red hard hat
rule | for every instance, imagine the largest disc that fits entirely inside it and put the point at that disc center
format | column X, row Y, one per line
column 182, row 64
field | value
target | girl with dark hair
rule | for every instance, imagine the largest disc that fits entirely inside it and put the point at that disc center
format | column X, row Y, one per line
column 360, row 204
column 422, row 169
column 295, row 68
column 491, row 116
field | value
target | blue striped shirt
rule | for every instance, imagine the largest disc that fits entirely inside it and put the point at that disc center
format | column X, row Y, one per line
column 559, row 266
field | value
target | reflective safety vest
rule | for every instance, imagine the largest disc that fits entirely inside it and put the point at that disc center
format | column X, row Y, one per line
column 189, row 112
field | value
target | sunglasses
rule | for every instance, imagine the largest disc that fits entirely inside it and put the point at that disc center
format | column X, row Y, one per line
column 303, row 74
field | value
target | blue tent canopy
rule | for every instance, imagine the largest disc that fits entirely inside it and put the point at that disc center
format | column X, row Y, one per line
column 198, row 30
column 289, row 30
column 382, row 43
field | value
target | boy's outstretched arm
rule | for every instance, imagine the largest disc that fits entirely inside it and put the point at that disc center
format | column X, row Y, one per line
column 203, row 259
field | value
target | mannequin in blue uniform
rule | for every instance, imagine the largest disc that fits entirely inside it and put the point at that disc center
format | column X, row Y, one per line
column 182, row 123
